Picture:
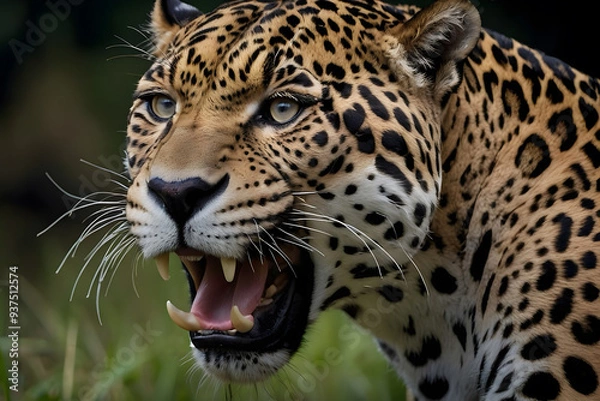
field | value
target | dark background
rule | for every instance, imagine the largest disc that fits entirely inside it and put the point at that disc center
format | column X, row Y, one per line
column 66, row 98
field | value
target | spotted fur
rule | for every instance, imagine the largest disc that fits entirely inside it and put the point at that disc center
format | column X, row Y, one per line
column 445, row 179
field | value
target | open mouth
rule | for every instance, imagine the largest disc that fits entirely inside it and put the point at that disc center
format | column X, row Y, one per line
column 257, row 304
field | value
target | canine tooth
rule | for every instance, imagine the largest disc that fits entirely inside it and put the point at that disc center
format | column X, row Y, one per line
column 185, row 320
column 228, row 266
column 265, row 301
column 162, row 263
column 232, row 332
column 241, row 323
column 272, row 290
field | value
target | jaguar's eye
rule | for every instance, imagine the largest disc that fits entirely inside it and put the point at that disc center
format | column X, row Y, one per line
column 283, row 110
column 162, row 106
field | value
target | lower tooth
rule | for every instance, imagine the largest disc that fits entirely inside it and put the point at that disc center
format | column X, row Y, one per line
column 270, row 291
column 186, row 320
column 241, row 323
column 265, row 301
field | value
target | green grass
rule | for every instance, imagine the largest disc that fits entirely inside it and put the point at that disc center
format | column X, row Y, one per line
column 137, row 353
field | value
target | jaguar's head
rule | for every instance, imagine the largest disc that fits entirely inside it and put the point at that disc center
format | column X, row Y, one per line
column 276, row 148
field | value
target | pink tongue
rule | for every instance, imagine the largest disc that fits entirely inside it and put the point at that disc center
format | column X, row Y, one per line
column 215, row 296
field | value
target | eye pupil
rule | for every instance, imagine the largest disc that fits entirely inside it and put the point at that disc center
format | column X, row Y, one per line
column 284, row 110
column 283, row 107
column 163, row 106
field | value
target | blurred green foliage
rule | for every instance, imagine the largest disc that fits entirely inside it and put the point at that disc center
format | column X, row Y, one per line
column 64, row 96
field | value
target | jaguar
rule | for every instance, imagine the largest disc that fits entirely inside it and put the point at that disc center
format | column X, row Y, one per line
column 436, row 181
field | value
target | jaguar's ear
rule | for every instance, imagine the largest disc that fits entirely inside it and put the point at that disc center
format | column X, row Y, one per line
column 430, row 47
column 168, row 16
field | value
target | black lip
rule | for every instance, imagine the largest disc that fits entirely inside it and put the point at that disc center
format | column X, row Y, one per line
column 280, row 326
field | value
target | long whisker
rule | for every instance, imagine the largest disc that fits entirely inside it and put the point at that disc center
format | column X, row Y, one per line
column 149, row 56
column 124, row 186
column 105, row 239
column 89, row 230
column 113, row 257
column 124, row 247
column 135, row 268
column 259, row 241
column 65, row 215
column 412, row 261
column 298, row 241
column 275, row 260
column 105, row 169
column 109, row 238
column 147, row 35
column 106, row 213
column 82, row 203
column 410, row 258
column 312, row 229
column 278, row 250
column 299, row 245
column 357, row 233
column 97, row 225
column 116, row 212
column 257, row 247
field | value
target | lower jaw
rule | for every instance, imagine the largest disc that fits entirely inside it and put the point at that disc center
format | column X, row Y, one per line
column 240, row 367
column 275, row 337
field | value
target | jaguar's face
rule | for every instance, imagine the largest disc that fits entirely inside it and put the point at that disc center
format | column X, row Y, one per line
column 272, row 149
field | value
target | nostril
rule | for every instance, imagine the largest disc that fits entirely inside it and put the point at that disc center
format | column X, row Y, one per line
column 181, row 199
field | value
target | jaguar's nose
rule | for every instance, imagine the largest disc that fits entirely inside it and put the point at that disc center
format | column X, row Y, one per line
column 181, row 199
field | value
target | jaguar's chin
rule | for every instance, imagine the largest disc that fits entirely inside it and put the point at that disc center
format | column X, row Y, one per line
column 247, row 317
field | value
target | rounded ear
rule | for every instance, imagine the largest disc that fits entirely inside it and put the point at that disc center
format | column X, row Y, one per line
column 168, row 16
column 431, row 46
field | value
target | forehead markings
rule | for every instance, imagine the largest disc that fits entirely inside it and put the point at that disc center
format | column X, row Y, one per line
column 240, row 69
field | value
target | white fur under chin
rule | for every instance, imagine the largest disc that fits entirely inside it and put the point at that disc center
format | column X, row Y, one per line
column 232, row 372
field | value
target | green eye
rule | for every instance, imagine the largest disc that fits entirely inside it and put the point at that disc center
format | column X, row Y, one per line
column 162, row 106
column 283, row 110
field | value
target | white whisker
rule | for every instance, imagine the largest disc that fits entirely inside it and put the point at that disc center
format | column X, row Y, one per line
column 124, row 247
column 278, row 250
column 250, row 261
column 126, row 44
column 298, row 241
column 257, row 247
column 259, row 241
column 311, row 229
column 143, row 34
column 275, row 260
column 108, row 239
column 77, row 207
column 106, row 170
column 105, row 213
column 355, row 231
column 135, row 270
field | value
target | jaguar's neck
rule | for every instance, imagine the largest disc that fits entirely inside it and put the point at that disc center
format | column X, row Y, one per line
column 483, row 124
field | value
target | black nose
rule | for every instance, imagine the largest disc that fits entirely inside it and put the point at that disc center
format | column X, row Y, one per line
column 182, row 199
